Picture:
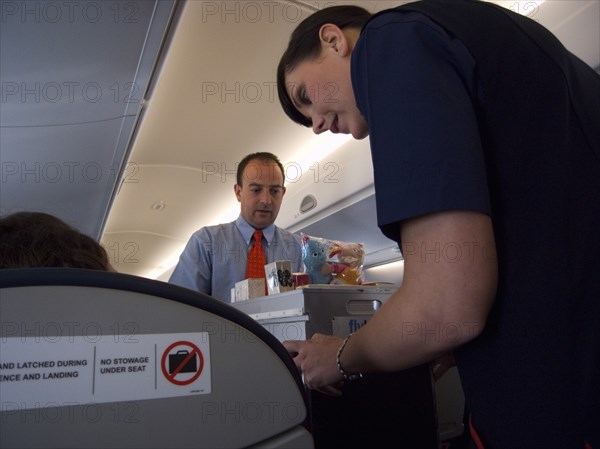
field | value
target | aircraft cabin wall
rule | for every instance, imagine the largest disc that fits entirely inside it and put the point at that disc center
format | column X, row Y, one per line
column 329, row 177
column 126, row 119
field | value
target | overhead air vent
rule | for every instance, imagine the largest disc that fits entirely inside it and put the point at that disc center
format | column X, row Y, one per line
column 308, row 203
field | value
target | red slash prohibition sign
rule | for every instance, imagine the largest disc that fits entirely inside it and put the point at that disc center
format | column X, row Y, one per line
column 195, row 351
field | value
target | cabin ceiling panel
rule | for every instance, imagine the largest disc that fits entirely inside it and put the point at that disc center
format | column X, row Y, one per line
column 214, row 101
column 138, row 253
column 73, row 75
column 150, row 200
column 64, row 170
column 74, row 91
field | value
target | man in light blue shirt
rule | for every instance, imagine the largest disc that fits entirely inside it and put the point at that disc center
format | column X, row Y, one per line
column 215, row 257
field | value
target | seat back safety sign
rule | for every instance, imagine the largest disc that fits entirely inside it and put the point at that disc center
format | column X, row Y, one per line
column 75, row 370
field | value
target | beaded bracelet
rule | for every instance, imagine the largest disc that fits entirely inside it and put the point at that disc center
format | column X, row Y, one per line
column 345, row 375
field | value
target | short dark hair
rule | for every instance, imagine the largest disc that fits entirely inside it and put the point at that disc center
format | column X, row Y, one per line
column 261, row 156
column 37, row 239
column 305, row 45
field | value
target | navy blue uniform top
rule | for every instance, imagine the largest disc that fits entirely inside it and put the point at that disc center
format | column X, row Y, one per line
column 473, row 107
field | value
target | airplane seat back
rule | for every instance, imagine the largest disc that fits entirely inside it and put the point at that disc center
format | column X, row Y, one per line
column 98, row 359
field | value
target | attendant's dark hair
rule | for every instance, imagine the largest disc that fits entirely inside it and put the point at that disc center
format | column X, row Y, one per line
column 36, row 239
column 305, row 45
column 261, row 156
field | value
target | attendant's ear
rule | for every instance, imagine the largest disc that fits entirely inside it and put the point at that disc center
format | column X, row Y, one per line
column 333, row 39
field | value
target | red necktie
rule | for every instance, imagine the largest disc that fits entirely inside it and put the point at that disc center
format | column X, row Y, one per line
column 256, row 259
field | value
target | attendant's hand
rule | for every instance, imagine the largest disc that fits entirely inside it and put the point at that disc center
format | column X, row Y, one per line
column 316, row 359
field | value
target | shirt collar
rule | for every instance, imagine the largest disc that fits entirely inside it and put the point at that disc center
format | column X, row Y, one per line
column 247, row 231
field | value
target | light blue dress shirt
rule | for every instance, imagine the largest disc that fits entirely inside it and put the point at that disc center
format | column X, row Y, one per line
column 215, row 257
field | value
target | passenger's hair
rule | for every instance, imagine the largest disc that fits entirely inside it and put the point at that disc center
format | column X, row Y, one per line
column 36, row 239
column 305, row 45
column 261, row 156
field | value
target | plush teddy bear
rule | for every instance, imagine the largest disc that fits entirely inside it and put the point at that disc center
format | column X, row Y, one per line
column 314, row 257
column 350, row 257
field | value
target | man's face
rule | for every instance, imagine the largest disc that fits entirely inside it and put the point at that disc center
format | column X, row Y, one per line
column 321, row 90
column 261, row 193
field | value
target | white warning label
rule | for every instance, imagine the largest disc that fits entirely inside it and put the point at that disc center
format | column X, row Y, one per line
column 80, row 370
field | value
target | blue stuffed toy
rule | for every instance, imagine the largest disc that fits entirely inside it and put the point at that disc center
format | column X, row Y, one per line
column 314, row 256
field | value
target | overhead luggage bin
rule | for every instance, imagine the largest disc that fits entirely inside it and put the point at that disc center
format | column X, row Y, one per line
column 96, row 359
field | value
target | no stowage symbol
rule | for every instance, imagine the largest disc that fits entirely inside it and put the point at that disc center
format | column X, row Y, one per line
column 182, row 363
